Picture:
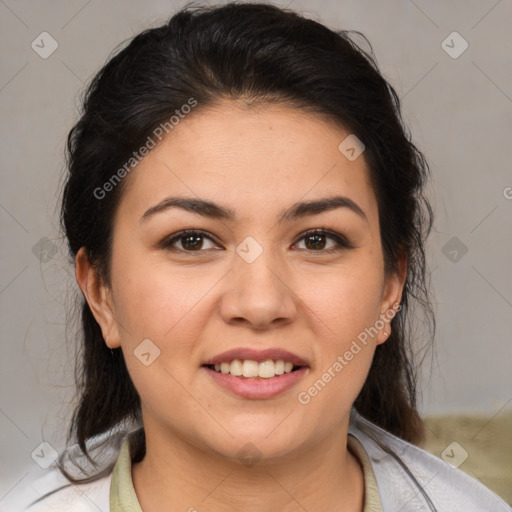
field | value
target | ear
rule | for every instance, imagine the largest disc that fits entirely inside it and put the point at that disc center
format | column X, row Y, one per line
column 98, row 296
column 391, row 298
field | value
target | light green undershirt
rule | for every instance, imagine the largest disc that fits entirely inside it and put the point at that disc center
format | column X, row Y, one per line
column 124, row 499
column 372, row 501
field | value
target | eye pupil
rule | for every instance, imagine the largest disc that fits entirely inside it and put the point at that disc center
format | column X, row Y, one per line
column 197, row 243
column 315, row 243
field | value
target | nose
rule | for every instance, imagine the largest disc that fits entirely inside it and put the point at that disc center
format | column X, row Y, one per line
column 259, row 294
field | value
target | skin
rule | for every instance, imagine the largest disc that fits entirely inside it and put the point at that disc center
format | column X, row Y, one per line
column 258, row 162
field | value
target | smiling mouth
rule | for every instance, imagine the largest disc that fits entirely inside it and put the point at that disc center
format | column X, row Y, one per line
column 251, row 369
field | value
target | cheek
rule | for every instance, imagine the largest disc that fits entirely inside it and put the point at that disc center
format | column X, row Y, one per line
column 345, row 349
column 345, row 299
column 155, row 300
column 346, row 307
column 170, row 308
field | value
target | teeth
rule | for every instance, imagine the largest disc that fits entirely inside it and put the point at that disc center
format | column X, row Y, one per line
column 251, row 369
column 237, row 368
column 266, row 369
column 279, row 367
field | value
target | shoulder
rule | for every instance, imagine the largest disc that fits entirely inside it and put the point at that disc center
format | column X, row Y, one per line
column 52, row 491
column 409, row 478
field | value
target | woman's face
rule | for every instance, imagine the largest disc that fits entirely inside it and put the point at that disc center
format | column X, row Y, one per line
column 252, row 286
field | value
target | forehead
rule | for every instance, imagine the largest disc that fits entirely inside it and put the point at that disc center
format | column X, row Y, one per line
column 256, row 160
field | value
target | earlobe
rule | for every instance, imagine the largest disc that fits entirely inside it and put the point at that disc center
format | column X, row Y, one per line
column 98, row 297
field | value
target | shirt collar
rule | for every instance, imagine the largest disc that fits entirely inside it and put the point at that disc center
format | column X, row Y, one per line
column 372, row 501
column 124, row 499
column 122, row 492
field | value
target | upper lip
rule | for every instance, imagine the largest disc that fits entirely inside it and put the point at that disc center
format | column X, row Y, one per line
column 257, row 355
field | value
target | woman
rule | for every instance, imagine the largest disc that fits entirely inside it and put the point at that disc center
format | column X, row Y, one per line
column 247, row 218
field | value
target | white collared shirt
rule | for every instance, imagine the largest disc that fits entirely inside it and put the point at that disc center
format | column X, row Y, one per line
column 408, row 479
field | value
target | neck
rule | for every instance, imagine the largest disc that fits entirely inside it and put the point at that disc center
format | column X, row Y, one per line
column 175, row 475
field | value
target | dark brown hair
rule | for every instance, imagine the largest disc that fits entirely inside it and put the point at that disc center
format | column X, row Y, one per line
column 260, row 53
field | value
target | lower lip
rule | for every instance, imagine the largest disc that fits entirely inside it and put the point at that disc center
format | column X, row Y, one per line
column 257, row 387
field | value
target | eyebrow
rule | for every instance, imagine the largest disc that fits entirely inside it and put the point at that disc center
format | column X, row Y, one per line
column 215, row 211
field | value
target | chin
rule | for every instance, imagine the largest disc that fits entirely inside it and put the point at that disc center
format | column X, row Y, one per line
column 260, row 442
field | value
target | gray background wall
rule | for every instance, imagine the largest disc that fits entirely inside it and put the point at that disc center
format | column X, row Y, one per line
column 460, row 113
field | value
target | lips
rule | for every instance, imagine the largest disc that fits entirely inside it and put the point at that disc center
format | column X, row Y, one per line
column 256, row 374
column 256, row 388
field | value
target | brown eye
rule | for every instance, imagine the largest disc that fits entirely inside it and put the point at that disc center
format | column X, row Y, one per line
column 316, row 241
column 190, row 241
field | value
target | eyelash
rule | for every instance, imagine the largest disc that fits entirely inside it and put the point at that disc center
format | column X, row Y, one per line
column 341, row 241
